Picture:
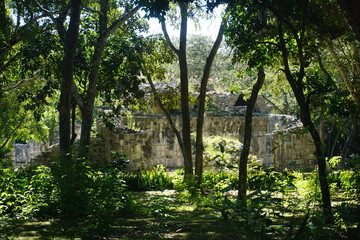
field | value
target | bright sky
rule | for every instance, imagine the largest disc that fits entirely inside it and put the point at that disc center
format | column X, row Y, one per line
column 207, row 27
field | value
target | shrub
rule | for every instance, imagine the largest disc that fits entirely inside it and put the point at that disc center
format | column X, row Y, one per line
column 221, row 152
column 107, row 199
column 157, row 179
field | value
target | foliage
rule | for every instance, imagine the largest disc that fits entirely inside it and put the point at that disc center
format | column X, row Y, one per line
column 26, row 194
column 157, row 179
column 107, row 198
column 219, row 180
column 225, row 75
column 170, row 97
column 28, row 65
column 33, row 192
column 221, row 152
column 346, row 181
column 282, row 205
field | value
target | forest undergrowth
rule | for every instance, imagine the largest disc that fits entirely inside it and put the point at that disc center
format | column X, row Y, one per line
column 158, row 205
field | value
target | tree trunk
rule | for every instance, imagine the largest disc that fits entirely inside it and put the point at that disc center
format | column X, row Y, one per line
column 332, row 143
column 165, row 111
column 87, row 106
column 305, row 116
column 321, row 160
column 351, row 9
column 73, row 123
column 71, row 38
column 184, row 81
column 86, row 126
column 67, row 186
column 247, row 137
column 348, row 143
column 201, row 103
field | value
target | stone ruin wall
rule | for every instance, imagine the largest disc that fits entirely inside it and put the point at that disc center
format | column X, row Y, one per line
column 22, row 153
column 156, row 143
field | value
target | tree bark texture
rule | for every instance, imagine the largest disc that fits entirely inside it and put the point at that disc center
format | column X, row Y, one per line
column 305, row 117
column 199, row 147
column 184, row 82
column 70, row 45
column 67, row 186
column 247, row 137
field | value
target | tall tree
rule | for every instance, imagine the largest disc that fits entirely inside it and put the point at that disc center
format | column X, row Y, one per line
column 285, row 32
column 243, row 162
column 106, row 27
column 338, row 59
column 199, row 148
column 70, row 39
column 185, row 8
column 82, row 64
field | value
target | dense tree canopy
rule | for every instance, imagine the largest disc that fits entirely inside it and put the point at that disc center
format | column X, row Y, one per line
column 62, row 61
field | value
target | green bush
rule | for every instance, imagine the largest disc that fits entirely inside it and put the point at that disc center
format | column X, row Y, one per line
column 34, row 193
column 218, row 180
column 157, row 179
column 269, row 179
column 28, row 193
column 107, row 199
column 221, row 152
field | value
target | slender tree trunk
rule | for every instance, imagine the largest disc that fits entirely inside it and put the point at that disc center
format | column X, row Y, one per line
column 332, row 144
column 87, row 106
column 86, row 126
column 305, row 116
column 348, row 143
column 165, row 111
column 184, row 82
column 247, row 137
column 67, row 78
column 73, row 123
column 67, row 187
column 322, row 132
column 321, row 160
column 199, row 148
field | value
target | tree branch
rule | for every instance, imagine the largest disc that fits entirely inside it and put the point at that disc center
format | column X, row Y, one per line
column 48, row 12
column 21, row 82
column 168, row 40
column 92, row 10
column 121, row 20
column 322, row 67
column 165, row 111
column 75, row 94
column 273, row 104
column 59, row 22
column 343, row 75
column 10, row 134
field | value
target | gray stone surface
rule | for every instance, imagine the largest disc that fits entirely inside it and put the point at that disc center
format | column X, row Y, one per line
column 273, row 143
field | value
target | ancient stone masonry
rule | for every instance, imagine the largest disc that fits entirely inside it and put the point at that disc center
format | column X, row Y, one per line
column 24, row 152
column 275, row 141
